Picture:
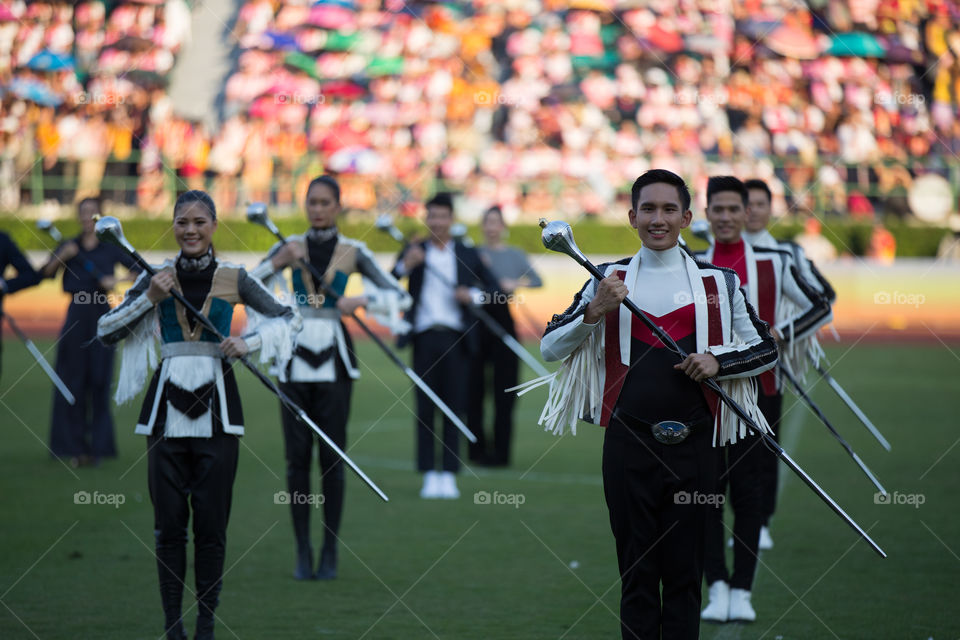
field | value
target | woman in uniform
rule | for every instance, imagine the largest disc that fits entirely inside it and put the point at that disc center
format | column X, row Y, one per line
column 191, row 414
column 319, row 377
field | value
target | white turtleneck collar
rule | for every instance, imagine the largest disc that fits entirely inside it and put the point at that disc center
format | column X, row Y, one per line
column 760, row 238
column 662, row 284
column 666, row 260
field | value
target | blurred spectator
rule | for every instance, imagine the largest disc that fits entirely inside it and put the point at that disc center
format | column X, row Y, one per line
column 814, row 245
column 883, row 246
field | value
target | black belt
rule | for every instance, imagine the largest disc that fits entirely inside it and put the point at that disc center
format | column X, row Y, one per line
column 664, row 432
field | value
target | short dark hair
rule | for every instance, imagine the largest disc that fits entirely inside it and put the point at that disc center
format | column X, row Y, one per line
column 92, row 200
column 654, row 176
column 441, row 199
column 195, row 196
column 758, row 185
column 717, row 184
column 328, row 181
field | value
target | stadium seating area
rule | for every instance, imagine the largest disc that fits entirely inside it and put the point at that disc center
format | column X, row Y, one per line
column 543, row 106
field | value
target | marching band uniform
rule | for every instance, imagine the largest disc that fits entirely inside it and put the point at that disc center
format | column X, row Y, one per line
column 617, row 374
column 444, row 338
column 191, row 413
column 771, row 404
column 10, row 256
column 319, row 377
column 504, row 263
column 771, row 285
column 84, row 364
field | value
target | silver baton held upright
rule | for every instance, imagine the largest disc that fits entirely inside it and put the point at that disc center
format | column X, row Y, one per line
column 558, row 236
column 109, row 230
column 257, row 214
column 384, row 224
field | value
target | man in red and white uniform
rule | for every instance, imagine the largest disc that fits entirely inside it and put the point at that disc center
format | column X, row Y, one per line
column 770, row 282
column 757, row 236
column 659, row 466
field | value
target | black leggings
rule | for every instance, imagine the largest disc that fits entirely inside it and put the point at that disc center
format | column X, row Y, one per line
column 328, row 405
column 185, row 474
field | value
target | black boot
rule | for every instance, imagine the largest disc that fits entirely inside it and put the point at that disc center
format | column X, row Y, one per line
column 304, row 568
column 208, row 565
column 328, row 562
column 172, row 569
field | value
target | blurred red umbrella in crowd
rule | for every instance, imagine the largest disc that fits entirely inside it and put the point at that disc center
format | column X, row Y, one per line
column 666, row 41
column 792, row 42
column 343, row 89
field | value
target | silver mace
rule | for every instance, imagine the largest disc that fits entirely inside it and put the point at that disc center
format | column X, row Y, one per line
column 385, row 224
column 50, row 229
column 558, row 236
column 257, row 214
column 108, row 229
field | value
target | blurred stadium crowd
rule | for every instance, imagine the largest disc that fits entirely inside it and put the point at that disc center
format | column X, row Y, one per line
column 543, row 106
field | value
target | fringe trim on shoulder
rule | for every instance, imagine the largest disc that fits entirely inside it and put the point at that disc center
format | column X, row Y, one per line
column 728, row 427
column 576, row 388
column 139, row 356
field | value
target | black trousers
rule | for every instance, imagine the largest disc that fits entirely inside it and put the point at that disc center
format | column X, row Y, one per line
column 327, row 404
column 86, row 366
column 739, row 467
column 185, row 474
column 771, row 407
column 495, row 365
column 439, row 358
column 656, row 497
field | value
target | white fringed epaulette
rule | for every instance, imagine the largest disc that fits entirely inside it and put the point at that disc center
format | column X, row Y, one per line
column 139, row 354
column 576, row 388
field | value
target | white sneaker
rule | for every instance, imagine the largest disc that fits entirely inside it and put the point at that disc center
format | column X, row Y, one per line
column 740, row 608
column 448, row 486
column 718, row 609
column 431, row 485
column 766, row 542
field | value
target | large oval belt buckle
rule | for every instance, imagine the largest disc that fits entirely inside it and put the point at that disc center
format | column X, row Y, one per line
column 670, row 432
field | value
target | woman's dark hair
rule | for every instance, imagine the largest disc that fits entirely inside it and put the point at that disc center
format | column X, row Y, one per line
column 717, row 184
column 759, row 185
column 328, row 181
column 494, row 210
column 653, row 176
column 193, row 197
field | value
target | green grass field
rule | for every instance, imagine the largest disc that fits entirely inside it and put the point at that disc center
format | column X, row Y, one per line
column 456, row 569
